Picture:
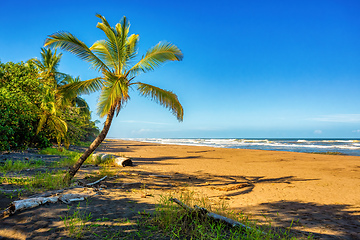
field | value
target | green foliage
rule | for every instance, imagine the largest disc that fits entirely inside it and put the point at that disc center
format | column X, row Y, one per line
column 18, row 165
column 39, row 182
column 114, row 59
column 177, row 223
column 20, row 95
column 29, row 110
column 70, row 156
column 75, row 223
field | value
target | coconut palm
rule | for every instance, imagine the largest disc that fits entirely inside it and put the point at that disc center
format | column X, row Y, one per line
column 50, row 117
column 48, row 67
column 72, row 100
column 113, row 58
column 55, row 102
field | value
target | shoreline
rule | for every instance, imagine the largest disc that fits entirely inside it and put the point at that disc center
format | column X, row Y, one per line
column 350, row 147
column 320, row 191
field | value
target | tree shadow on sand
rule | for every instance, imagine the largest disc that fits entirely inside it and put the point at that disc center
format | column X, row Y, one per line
column 334, row 221
column 117, row 218
column 129, row 183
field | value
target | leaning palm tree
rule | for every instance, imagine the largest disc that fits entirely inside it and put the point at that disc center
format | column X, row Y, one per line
column 112, row 57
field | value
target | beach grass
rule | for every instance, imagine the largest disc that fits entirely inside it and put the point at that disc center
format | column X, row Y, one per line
column 39, row 182
column 76, row 223
column 177, row 223
column 19, row 165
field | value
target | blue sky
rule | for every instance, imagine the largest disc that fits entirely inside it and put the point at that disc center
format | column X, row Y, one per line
column 250, row 68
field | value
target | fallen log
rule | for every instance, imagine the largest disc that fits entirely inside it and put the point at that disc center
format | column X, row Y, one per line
column 214, row 216
column 34, row 202
column 123, row 161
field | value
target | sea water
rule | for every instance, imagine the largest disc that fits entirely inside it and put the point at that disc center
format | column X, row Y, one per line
column 343, row 146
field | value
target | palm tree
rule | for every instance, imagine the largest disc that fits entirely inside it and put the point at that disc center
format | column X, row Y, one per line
column 50, row 117
column 112, row 57
column 72, row 100
column 48, row 67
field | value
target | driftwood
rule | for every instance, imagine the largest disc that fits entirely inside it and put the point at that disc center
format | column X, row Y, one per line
column 211, row 215
column 47, row 194
column 34, row 202
column 96, row 182
column 123, row 161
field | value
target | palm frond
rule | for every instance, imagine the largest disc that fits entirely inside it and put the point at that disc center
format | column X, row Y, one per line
column 114, row 45
column 155, row 56
column 81, row 87
column 50, row 59
column 82, row 104
column 165, row 98
column 109, row 44
column 70, row 43
column 38, row 64
column 41, row 123
column 131, row 47
column 58, row 124
column 122, row 31
column 114, row 93
column 105, row 53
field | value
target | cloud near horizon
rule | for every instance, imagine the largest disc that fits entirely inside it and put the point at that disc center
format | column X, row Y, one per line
column 339, row 118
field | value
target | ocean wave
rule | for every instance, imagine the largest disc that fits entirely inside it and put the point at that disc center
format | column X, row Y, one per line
column 346, row 146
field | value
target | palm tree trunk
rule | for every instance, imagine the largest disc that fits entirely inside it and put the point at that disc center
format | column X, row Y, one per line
column 98, row 140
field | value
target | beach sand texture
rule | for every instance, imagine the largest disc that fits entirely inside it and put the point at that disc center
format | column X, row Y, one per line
column 321, row 193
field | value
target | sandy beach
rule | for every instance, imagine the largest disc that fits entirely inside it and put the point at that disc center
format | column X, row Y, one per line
column 320, row 193
column 312, row 193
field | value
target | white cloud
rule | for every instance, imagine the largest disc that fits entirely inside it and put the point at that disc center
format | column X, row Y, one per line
column 356, row 131
column 340, row 118
column 318, row 132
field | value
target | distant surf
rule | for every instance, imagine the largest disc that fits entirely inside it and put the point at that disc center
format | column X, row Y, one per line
column 342, row 146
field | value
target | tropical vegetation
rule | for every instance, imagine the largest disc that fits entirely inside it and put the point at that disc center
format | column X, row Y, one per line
column 32, row 111
column 114, row 58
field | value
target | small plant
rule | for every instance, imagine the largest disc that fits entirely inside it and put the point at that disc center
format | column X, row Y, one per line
column 41, row 181
column 70, row 156
column 75, row 223
column 177, row 223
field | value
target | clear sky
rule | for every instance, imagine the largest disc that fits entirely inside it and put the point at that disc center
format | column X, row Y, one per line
column 250, row 68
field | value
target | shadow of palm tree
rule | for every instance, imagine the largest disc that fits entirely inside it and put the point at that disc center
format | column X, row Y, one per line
column 334, row 221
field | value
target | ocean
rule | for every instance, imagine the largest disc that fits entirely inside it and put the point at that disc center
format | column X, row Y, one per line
column 343, row 146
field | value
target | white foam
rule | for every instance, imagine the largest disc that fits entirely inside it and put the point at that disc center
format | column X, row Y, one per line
column 273, row 144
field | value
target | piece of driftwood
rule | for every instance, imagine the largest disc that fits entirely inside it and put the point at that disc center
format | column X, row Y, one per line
column 211, row 215
column 106, row 157
column 123, row 161
column 34, row 202
column 96, row 182
column 47, row 194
